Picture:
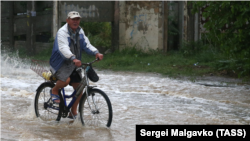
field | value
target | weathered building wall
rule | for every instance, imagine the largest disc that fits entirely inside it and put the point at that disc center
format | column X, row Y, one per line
column 41, row 46
column 90, row 11
column 141, row 25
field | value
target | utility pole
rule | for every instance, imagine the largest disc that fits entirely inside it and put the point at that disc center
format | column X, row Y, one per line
column 165, row 26
column 55, row 19
column 181, row 21
column 115, row 27
column 190, row 24
column 11, row 25
column 30, row 33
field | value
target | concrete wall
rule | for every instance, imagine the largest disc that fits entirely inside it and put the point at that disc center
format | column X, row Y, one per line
column 39, row 45
column 140, row 25
column 134, row 23
column 90, row 11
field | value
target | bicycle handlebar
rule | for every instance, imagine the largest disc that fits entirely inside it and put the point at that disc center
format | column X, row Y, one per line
column 87, row 64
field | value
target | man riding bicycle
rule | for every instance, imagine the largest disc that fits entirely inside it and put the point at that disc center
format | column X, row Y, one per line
column 69, row 43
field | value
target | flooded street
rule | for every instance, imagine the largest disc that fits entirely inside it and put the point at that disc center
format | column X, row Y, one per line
column 137, row 98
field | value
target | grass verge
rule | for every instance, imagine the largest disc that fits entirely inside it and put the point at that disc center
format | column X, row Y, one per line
column 172, row 64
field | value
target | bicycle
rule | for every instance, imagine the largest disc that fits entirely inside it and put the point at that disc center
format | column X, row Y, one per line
column 94, row 107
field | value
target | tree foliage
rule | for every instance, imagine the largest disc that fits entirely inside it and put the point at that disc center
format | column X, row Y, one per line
column 99, row 33
column 228, row 28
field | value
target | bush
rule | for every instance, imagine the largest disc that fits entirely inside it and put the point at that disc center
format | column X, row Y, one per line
column 232, row 41
column 99, row 33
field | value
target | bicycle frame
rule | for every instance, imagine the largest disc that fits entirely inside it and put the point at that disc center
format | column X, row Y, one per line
column 83, row 86
column 65, row 97
column 68, row 96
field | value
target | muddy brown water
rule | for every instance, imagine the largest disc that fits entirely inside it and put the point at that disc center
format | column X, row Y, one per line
column 137, row 98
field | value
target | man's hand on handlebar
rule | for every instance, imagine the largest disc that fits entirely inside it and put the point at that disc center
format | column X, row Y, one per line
column 77, row 62
column 99, row 56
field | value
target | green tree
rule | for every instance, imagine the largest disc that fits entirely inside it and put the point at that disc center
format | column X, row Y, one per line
column 229, row 30
column 99, row 33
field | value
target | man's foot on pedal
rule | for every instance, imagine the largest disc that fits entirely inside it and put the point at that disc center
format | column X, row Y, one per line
column 71, row 117
column 72, row 113
column 55, row 98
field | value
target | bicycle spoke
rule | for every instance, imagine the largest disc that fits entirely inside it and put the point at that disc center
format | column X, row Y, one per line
column 102, row 116
column 43, row 103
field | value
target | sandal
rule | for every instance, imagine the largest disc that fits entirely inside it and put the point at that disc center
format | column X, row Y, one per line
column 54, row 97
column 71, row 117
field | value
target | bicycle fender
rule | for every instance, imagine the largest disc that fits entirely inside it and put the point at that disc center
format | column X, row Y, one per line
column 45, row 83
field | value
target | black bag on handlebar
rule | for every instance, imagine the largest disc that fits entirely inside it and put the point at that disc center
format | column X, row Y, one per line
column 92, row 74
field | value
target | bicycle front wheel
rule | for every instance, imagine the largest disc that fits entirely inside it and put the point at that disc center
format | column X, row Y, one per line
column 44, row 107
column 97, row 111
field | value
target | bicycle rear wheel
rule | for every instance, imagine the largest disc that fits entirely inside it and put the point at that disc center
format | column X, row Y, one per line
column 98, row 112
column 44, row 107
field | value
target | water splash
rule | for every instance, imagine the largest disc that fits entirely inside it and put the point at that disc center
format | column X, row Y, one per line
column 14, row 66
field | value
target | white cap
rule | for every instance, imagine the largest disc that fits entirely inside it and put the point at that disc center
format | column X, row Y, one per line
column 73, row 14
